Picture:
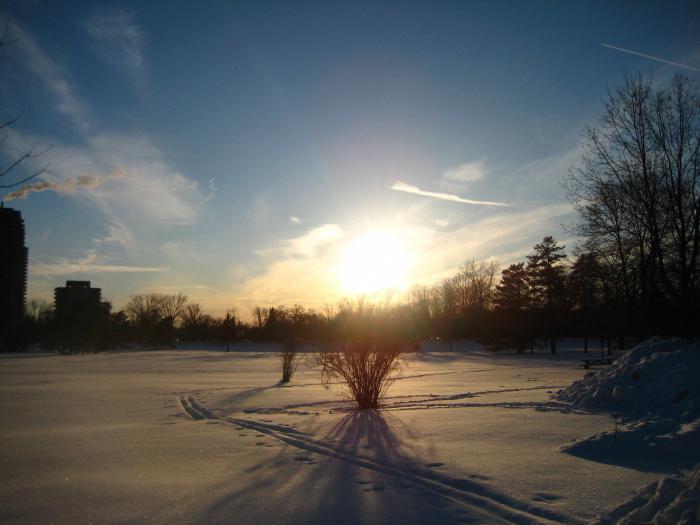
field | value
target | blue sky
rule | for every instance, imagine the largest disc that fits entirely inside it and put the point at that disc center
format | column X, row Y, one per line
column 236, row 151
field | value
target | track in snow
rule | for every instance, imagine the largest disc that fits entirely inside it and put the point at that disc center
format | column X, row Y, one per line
column 465, row 493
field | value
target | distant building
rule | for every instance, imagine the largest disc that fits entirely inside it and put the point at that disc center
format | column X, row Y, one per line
column 13, row 276
column 76, row 297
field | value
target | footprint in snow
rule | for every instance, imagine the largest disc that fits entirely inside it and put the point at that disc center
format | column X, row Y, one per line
column 479, row 476
column 545, row 497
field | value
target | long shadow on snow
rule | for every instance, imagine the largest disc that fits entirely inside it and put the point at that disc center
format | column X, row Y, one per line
column 363, row 471
column 660, row 445
column 320, row 489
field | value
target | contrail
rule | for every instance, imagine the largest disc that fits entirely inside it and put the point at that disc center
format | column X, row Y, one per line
column 402, row 186
column 68, row 185
column 651, row 57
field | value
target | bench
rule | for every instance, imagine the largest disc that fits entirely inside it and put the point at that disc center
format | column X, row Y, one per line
column 597, row 361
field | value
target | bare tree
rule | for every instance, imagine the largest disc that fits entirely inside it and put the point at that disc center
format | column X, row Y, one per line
column 289, row 359
column 366, row 368
column 638, row 193
column 474, row 286
column 172, row 306
column 144, row 309
column 192, row 315
column 155, row 315
column 260, row 315
column 20, row 159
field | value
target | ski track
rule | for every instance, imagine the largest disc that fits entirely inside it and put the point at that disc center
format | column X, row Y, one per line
column 420, row 402
column 465, row 493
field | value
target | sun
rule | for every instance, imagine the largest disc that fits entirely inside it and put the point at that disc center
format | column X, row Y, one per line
column 373, row 262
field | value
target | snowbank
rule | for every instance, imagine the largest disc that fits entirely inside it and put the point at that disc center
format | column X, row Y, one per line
column 654, row 390
column 666, row 501
column 657, row 375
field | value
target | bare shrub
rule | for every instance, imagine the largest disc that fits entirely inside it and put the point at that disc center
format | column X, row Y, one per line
column 289, row 359
column 366, row 368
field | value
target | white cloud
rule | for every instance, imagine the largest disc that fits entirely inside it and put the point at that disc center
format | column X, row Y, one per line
column 295, row 220
column 504, row 236
column 304, row 269
column 125, row 175
column 460, row 176
column 299, row 270
column 116, row 38
column 407, row 188
column 118, row 234
column 91, row 263
column 51, row 74
column 212, row 190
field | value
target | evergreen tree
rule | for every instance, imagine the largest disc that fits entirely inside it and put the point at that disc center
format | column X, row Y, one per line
column 548, row 284
column 512, row 292
column 512, row 301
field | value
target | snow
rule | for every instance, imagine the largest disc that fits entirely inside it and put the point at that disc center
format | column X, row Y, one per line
column 671, row 500
column 201, row 435
column 655, row 391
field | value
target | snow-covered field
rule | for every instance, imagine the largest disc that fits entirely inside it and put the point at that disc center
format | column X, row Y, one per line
column 200, row 435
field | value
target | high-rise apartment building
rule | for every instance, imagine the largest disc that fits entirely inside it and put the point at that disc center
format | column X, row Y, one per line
column 13, row 277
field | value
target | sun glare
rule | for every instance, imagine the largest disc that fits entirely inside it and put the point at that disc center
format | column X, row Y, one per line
column 373, row 262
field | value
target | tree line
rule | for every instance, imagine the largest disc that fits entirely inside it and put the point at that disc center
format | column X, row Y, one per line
column 633, row 273
column 544, row 296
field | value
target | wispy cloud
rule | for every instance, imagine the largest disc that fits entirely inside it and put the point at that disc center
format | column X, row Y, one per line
column 91, row 263
column 467, row 172
column 299, row 269
column 459, row 178
column 67, row 267
column 407, row 188
column 70, row 185
column 52, row 76
column 212, row 190
column 304, row 268
column 118, row 234
column 115, row 37
column 295, row 220
column 126, row 176
column 651, row 57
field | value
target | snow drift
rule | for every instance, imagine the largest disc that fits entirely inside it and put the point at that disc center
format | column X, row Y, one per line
column 654, row 390
column 666, row 501
column 656, row 375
